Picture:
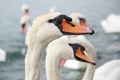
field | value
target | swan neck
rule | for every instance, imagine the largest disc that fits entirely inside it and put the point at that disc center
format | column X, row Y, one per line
column 52, row 68
column 33, row 62
column 89, row 73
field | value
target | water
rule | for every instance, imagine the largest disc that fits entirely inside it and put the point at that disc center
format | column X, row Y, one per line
column 12, row 41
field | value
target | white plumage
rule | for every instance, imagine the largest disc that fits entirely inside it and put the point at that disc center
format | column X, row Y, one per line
column 108, row 71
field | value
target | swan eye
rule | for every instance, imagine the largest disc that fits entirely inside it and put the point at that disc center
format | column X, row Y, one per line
column 50, row 20
column 75, row 47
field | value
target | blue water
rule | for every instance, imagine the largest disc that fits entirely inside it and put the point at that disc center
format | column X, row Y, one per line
column 12, row 41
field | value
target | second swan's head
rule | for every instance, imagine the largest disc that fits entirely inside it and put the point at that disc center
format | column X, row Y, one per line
column 79, row 53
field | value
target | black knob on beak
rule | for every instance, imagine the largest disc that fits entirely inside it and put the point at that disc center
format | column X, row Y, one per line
column 92, row 32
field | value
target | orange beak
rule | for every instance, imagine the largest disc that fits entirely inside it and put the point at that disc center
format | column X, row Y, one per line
column 82, row 57
column 73, row 28
column 23, row 28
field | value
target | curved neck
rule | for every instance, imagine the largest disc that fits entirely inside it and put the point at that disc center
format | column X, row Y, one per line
column 90, row 69
column 32, row 63
column 53, row 60
column 33, row 58
column 52, row 69
column 89, row 73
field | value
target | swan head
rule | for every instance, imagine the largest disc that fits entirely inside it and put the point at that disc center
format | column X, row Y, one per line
column 80, row 55
column 68, row 27
column 25, row 9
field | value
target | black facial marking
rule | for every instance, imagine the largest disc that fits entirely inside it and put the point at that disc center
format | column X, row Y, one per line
column 58, row 20
column 75, row 46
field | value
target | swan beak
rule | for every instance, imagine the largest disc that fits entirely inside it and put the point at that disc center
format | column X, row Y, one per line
column 83, row 57
column 62, row 62
column 72, row 28
column 23, row 28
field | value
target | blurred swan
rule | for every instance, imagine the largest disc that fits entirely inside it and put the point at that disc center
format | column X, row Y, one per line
column 108, row 71
column 2, row 55
column 46, row 28
column 111, row 24
column 77, row 18
column 26, row 22
column 61, row 49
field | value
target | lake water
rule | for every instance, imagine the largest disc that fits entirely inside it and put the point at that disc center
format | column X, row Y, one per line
column 12, row 41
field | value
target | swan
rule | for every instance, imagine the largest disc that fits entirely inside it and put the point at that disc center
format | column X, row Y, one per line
column 60, row 49
column 2, row 55
column 108, row 71
column 26, row 22
column 111, row 24
column 80, row 39
column 46, row 28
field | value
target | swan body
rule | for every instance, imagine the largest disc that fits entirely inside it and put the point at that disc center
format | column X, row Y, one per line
column 56, row 51
column 2, row 55
column 46, row 28
column 80, row 39
column 108, row 71
column 111, row 24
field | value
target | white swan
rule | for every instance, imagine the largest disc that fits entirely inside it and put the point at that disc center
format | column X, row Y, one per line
column 60, row 49
column 77, row 17
column 2, row 55
column 26, row 22
column 108, row 71
column 111, row 24
column 46, row 28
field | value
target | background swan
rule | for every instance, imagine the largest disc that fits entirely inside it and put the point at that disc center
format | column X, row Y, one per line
column 46, row 28
column 26, row 22
column 111, row 24
column 80, row 40
column 58, row 50
column 108, row 71
column 2, row 55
